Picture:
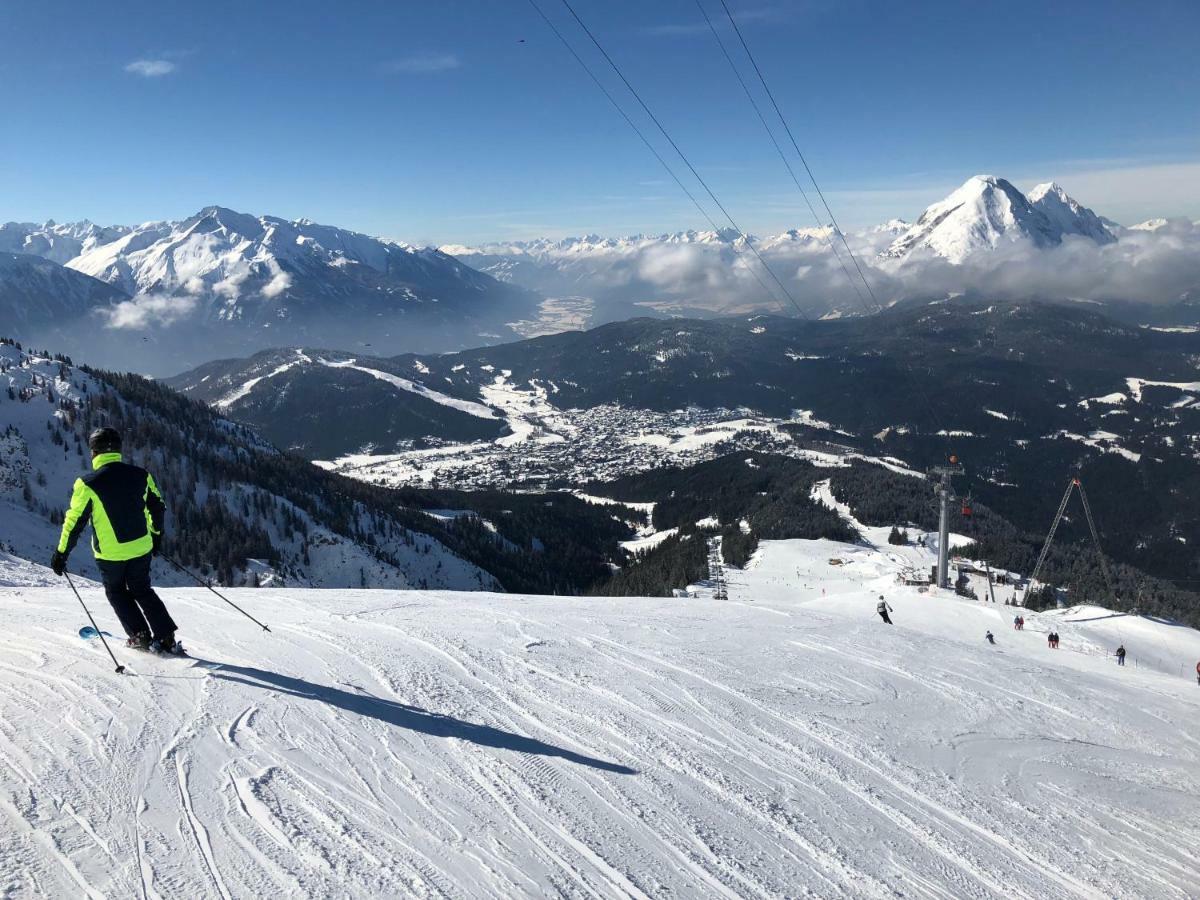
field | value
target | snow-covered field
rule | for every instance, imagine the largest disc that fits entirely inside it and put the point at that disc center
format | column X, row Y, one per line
column 782, row 743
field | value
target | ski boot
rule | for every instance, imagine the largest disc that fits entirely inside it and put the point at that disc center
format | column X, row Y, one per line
column 139, row 641
column 167, row 646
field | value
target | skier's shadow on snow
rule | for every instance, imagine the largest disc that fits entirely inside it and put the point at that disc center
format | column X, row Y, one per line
column 402, row 716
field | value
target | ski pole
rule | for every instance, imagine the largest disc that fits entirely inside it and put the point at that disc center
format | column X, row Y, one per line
column 99, row 633
column 200, row 581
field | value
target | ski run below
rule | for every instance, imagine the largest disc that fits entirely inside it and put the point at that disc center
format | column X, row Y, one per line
column 782, row 743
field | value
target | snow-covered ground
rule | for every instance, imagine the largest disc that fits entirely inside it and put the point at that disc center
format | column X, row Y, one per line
column 783, row 743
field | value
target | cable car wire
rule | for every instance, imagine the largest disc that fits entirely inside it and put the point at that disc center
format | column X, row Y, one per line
column 919, row 390
column 687, row 162
column 796, row 146
column 778, row 149
column 645, row 140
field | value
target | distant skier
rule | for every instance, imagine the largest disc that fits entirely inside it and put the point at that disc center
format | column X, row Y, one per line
column 1121, row 655
column 883, row 609
column 126, row 511
column 991, row 638
column 1016, row 623
column 1198, row 673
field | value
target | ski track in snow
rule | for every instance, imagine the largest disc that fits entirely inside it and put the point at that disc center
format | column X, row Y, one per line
column 782, row 743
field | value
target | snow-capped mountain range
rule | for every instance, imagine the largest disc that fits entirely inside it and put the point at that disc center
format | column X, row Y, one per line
column 221, row 283
column 983, row 213
column 954, row 247
column 242, row 259
column 224, row 277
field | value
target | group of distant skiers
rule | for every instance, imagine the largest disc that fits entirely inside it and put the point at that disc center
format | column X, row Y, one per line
column 1052, row 638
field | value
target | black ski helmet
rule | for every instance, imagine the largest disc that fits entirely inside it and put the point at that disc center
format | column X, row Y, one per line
column 105, row 440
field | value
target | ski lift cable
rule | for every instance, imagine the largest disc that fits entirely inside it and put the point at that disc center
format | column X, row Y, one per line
column 934, row 417
column 687, row 162
column 649, row 145
column 796, row 146
column 778, row 149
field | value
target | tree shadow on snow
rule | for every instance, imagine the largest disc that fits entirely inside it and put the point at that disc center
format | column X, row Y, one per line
column 403, row 716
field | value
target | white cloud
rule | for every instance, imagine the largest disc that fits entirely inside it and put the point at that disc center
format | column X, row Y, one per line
column 148, row 309
column 1143, row 266
column 420, row 64
column 277, row 285
column 1146, row 267
column 772, row 13
column 151, row 68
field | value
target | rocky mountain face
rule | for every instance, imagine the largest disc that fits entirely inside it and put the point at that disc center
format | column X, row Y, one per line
column 36, row 292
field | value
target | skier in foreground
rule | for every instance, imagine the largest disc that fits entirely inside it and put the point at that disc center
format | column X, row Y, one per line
column 991, row 638
column 883, row 609
column 126, row 510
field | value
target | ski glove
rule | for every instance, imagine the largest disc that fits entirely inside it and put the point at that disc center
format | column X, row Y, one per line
column 58, row 563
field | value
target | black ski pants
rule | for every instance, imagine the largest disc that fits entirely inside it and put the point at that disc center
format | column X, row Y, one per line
column 127, row 585
column 883, row 614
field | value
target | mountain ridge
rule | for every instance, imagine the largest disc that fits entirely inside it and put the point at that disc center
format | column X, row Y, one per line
column 248, row 282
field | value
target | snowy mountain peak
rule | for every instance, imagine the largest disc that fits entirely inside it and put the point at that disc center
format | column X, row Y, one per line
column 1047, row 188
column 892, row 226
column 1070, row 216
column 988, row 212
column 219, row 219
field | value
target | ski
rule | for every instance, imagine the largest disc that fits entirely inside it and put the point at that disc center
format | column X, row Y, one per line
column 87, row 632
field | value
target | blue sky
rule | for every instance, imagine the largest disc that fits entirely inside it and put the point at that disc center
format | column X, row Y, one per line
column 465, row 120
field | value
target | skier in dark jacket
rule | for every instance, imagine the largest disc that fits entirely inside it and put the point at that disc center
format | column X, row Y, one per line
column 991, row 638
column 126, row 511
column 883, row 609
column 1121, row 655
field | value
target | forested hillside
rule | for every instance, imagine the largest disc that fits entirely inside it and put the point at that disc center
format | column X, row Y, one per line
column 233, row 498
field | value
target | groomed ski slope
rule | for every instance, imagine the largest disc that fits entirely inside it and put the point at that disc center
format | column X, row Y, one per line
column 782, row 743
